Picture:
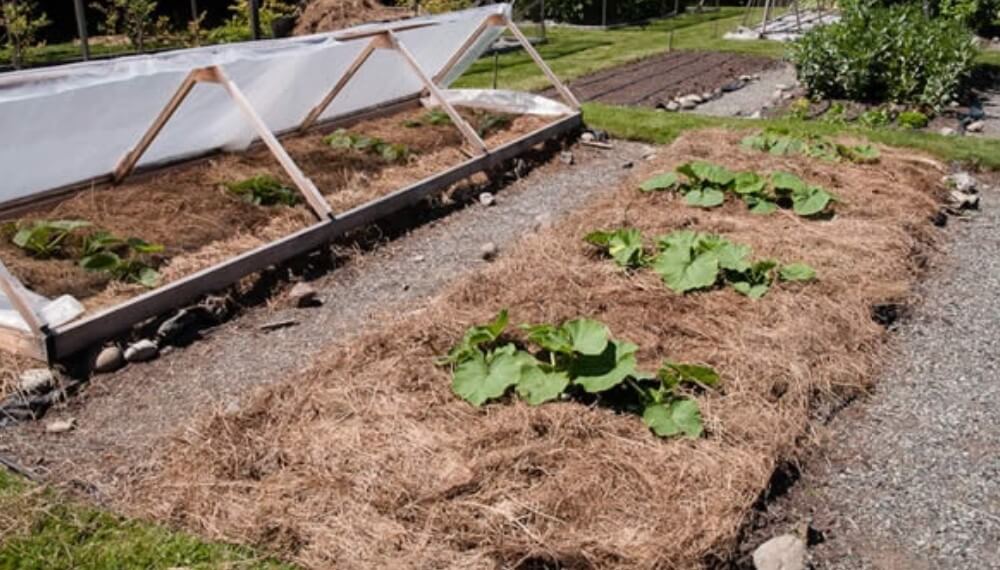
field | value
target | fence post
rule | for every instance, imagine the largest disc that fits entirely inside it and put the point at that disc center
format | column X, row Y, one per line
column 604, row 13
column 81, row 29
column 255, row 19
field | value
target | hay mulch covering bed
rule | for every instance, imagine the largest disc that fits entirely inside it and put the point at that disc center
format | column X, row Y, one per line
column 367, row 460
column 189, row 211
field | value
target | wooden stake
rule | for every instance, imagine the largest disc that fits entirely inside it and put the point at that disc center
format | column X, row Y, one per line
column 564, row 91
column 318, row 110
column 491, row 20
column 12, row 290
column 467, row 131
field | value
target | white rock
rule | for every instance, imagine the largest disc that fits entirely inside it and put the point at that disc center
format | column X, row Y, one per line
column 785, row 552
column 488, row 251
column 419, row 258
column 60, row 426
column 755, row 115
column 109, row 359
column 946, row 131
column 961, row 181
column 542, row 221
column 689, row 102
column 587, row 137
column 964, row 200
column 777, row 94
column 141, row 351
column 707, row 96
column 975, row 127
column 745, row 78
column 488, row 199
column 566, row 157
column 36, row 380
column 782, row 87
column 304, row 295
column 672, row 106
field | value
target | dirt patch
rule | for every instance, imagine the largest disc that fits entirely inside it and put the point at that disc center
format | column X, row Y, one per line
column 660, row 78
column 366, row 459
column 189, row 210
column 329, row 15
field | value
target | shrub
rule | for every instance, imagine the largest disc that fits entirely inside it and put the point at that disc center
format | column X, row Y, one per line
column 20, row 27
column 912, row 120
column 589, row 11
column 893, row 53
column 237, row 27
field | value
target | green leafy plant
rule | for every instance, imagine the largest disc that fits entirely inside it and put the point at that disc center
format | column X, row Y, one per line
column 688, row 261
column 875, row 118
column 434, row 117
column 46, row 238
column 576, row 358
column 912, row 120
column 487, row 122
column 237, row 27
column 20, row 26
column 705, row 185
column 264, row 190
column 799, row 109
column 123, row 259
column 624, row 246
column 780, row 143
column 390, row 152
column 134, row 18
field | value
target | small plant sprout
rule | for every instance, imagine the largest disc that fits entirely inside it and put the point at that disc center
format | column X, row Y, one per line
column 689, row 261
column 264, row 190
column 624, row 246
column 705, row 185
column 46, row 238
column 123, row 259
column 390, row 152
column 575, row 359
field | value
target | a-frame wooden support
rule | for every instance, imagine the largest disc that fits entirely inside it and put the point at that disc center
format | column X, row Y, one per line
column 215, row 75
column 390, row 41
column 504, row 21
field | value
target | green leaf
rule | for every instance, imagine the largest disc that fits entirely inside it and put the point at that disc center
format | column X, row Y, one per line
column 681, row 271
column 340, row 139
column 731, row 256
column 101, row 261
column 604, row 371
column 551, row 338
column 672, row 374
column 666, row 181
column 749, row 183
column 148, row 277
column 624, row 246
column 753, row 291
column 588, row 336
column 707, row 172
column 540, row 384
column 756, row 281
column 787, row 182
column 480, row 378
column 797, row 272
column 680, row 416
column 475, row 337
column 142, row 246
column 810, row 201
column 704, row 197
column 762, row 207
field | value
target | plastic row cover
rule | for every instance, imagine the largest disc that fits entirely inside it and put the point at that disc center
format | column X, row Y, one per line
column 74, row 123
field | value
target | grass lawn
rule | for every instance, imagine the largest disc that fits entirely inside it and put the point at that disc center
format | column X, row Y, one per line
column 661, row 128
column 41, row 530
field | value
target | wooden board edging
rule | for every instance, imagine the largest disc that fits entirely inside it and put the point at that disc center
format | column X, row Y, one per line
column 75, row 336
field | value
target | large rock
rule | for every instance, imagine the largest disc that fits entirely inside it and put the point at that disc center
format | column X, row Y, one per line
column 36, row 380
column 975, row 127
column 785, row 552
column 689, row 101
column 962, row 182
column 141, row 351
column 109, row 359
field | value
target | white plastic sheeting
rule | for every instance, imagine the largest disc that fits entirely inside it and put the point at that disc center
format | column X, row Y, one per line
column 503, row 101
column 52, row 313
column 74, row 123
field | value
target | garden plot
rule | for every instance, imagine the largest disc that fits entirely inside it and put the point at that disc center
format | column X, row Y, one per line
column 167, row 225
column 368, row 459
column 656, row 80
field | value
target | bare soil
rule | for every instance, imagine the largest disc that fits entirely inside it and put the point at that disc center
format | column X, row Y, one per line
column 189, row 210
column 366, row 459
column 659, row 78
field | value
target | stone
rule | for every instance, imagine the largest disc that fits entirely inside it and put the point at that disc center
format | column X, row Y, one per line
column 587, row 137
column 109, row 359
column 599, row 135
column 672, row 106
column 36, row 380
column 542, row 221
column 785, row 552
column 777, row 94
column 962, row 182
column 487, row 199
column 707, row 96
column 782, row 87
column 964, row 200
column 689, row 101
column 975, row 127
column 755, row 115
column 488, row 251
column 304, row 295
column 566, row 157
column 735, row 85
column 60, row 426
column 418, row 258
column 745, row 78
column 141, row 351
column 649, row 156
column 173, row 326
column 947, row 131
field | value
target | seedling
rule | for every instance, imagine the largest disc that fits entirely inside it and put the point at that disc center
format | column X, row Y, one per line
column 780, row 143
column 46, row 238
column 434, row 117
column 571, row 359
column 123, row 259
column 390, row 152
column 705, row 185
column 688, row 261
column 264, row 190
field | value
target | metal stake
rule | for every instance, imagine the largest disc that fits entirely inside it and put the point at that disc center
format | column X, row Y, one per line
column 81, row 29
column 255, row 19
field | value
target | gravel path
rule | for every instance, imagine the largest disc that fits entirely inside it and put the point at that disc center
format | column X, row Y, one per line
column 911, row 479
column 122, row 415
column 757, row 95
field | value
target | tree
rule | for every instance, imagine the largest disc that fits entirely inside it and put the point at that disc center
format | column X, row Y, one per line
column 20, row 28
column 134, row 18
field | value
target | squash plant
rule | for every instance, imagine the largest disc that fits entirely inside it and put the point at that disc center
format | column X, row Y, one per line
column 123, row 259
column 390, row 152
column 575, row 358
column 780, row 143
column 688, row 261
column 705, row 185
column 46, row 238
column 264, row 190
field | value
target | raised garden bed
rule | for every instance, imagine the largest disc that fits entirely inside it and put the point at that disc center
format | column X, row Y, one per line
column 196, row 214
column 368, row 459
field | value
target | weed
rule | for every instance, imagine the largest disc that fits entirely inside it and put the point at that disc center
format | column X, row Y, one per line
column 912, row 120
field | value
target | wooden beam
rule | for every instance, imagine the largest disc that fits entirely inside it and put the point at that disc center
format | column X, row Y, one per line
column 467, row 131
column 491, row 20
column 77, row 335
column 14, row 292
column 130, row 159
column 316, row 111
column 564, row 91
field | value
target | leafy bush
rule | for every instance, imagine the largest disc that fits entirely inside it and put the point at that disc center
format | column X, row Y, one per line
column 780, row 143
column 264, row 190
column 705, row 185
column 893, row 53
column 574, row 359
column 688, row 261
column 912, row 120
column 237, row 27
column 390, row 152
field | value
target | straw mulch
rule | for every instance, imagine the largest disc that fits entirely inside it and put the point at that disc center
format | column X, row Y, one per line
column 366, row 459
column 331, row 15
